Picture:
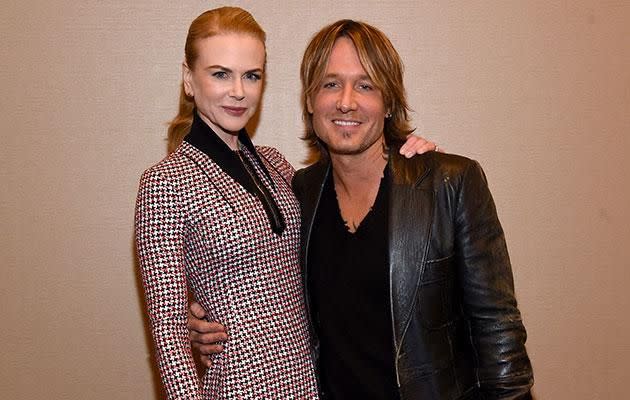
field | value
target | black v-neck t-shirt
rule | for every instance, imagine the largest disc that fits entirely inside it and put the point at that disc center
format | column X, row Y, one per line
column 349, row 288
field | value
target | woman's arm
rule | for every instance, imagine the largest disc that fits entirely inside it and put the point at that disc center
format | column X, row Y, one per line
column 159, row 240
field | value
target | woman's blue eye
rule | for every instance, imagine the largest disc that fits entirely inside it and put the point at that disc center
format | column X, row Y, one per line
column 220, row 74
column 252, row 76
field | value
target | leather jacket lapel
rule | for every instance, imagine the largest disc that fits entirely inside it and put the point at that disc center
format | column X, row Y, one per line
column 308, row 184
column 411, row 210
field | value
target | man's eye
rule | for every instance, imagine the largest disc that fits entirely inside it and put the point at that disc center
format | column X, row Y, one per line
column 328, row 85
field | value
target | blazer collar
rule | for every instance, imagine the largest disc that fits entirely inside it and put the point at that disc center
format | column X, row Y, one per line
column 202, row 137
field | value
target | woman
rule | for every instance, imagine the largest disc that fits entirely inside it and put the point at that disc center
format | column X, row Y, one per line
column 218, row 217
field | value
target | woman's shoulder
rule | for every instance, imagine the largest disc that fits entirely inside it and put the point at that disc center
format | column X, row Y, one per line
column 175, row 164
column 277, row 160
column 271, row 153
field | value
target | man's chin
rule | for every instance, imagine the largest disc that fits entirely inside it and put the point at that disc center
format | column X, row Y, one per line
column 345, row 151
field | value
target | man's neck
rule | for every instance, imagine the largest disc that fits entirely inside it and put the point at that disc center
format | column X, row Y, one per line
column 357, row 179
column 356, row 171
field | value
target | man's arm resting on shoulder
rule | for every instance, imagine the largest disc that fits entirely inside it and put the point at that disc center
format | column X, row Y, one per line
column 205, row 337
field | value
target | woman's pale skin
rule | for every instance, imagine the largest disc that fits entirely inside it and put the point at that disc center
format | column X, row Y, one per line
column 226, row 83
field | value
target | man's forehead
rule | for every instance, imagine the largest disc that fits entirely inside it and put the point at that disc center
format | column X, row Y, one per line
column 344, row 60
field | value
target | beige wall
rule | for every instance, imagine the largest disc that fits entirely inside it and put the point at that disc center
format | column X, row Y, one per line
column 538, row 93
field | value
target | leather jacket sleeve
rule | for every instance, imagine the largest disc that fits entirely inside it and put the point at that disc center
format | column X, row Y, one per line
column 484, row 272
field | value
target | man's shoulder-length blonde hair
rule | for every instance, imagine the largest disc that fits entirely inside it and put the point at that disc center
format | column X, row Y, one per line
column 382, row 64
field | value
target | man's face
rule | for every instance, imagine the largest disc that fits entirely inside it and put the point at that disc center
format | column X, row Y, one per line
column 348, row 109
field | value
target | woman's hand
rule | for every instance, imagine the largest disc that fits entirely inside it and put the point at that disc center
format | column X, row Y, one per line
column 417, row 145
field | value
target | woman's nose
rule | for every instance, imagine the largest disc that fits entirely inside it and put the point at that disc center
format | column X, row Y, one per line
column 237, row 91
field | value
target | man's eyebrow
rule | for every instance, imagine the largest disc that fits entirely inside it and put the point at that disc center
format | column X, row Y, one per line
column 338, row 75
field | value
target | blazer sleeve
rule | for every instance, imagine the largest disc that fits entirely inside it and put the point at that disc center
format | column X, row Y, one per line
column 485, row 274
column 159, row 226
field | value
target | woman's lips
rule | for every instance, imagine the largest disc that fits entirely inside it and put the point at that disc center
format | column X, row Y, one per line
column 235, row 111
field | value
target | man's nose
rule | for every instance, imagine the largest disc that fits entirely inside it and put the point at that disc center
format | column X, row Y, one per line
column 346, row 101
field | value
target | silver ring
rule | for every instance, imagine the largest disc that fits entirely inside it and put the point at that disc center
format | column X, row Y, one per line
column 436, row 148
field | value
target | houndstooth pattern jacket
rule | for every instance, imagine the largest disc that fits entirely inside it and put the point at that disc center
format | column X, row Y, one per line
column 198, row 229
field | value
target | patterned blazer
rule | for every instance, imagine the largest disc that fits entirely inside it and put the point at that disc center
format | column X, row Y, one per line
column 198, row 229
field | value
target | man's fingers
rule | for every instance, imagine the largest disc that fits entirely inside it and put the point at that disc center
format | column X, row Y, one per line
column 200, row 339
column 203, row 326
column 206, row 352
column 205, row 360
column 197, row 310
column 209, row 349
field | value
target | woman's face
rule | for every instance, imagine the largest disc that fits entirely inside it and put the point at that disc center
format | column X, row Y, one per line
column 226, row 81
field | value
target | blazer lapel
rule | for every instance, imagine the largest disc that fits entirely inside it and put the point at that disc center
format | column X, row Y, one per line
column 236, row 196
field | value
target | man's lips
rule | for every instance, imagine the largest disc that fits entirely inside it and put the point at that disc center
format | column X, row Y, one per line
column 235, row 111
column 345, row 122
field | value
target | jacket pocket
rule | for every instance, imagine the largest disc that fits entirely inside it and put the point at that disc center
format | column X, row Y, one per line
column 435, row 300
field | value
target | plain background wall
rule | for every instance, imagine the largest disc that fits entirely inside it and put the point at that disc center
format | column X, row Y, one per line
column 537, row 91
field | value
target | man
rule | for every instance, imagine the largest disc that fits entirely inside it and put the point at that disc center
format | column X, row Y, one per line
column 408, row 280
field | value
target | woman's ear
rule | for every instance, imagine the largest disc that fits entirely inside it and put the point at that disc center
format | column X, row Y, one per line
column 187, row 80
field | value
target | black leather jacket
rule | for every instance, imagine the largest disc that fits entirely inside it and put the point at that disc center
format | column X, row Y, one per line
column 456, row 327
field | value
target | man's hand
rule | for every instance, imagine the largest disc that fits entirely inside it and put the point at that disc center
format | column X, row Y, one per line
column 417, row 145
column 205, row 337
